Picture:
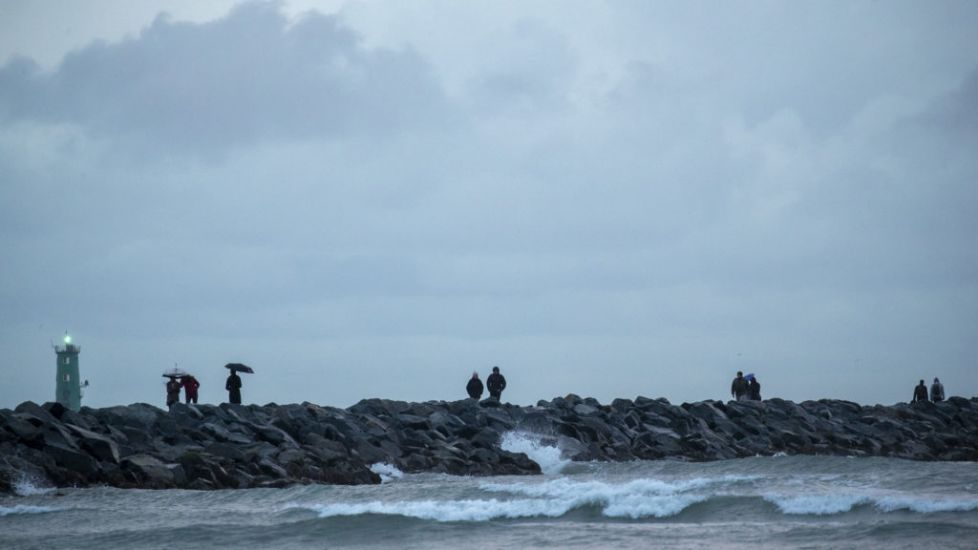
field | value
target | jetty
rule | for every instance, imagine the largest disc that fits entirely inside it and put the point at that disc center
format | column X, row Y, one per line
column 245, row 446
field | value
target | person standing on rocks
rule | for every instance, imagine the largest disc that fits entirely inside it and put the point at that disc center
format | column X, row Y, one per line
column 920, row 393
column 190, row 385
column 496, row 384
column 738, row 389
column 474, row 387
column 233, row 386
column 753, row 388
column 172, row 391
column 936, row 391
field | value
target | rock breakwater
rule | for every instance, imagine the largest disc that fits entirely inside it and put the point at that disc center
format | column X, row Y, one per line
column 240, row 446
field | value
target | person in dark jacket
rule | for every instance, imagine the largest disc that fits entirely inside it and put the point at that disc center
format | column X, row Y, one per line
column 474, row 387
column 738, row 388
column 190, row 385
column 172, row 391
column 233, row 386
column 920, row 392
column 937, row 391
column 496, row 383
column 753, row 388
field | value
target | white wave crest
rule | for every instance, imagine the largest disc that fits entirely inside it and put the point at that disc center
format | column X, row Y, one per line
column 634, row 499
column 25, row 509
column 547, row 456
column 824, row 504
column 387, row 472
column 923, row 505
column 445, row 511
column 819, row 505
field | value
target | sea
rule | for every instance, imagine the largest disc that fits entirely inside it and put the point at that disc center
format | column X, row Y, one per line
column 761, row 502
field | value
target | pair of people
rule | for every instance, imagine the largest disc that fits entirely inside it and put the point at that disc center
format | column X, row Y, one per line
column 189, row 385
column 745, row 388
column 936, row 392
column 496, row 383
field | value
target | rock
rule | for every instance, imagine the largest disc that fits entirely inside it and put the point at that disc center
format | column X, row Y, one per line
column 151, row 471
column 99, row 446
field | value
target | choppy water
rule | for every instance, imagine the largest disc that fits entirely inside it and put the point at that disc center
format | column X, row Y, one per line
column 768, row 502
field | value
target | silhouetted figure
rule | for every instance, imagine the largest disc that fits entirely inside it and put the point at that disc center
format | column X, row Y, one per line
column 936, row 391
column 474, row 387
column 920, row 392
column 190, row 385
column 172, row 391
column 496, row 383
column 738, row 388
column 233, row 386
column 753, row 388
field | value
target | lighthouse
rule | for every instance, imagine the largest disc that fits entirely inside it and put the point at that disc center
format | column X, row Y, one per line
column 68, row 387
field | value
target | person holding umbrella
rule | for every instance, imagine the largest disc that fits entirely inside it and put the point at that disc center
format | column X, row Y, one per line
column 173, row 386
column 233, row 384
column 172, row 391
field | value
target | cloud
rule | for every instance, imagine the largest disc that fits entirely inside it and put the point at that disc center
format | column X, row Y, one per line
column 250, row 77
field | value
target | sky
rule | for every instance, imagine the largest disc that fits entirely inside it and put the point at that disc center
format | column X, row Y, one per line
column 375, row 199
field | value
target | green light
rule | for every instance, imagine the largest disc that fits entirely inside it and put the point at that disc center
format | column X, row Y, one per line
column 67, row 339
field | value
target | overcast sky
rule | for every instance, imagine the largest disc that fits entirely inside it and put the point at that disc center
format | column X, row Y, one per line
column 374, row 199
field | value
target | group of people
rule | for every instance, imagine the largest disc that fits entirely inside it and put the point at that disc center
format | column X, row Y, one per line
column 495, row 383
column 189, row 385
column 745, row 388
column 936, row 392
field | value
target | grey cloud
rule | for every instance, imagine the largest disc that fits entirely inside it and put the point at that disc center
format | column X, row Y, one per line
column 248, row 77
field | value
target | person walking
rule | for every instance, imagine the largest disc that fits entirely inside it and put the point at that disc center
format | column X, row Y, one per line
column 920, row 393
column 937, row 391
column 474, row 387
column 233, row 386
column 172, row 391
column 738, row 388
column 190, row 385
column 496, row 383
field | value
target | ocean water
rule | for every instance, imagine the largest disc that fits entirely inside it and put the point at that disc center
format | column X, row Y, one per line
column 761, row 502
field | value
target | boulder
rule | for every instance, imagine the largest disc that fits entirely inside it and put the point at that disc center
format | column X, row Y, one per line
column 99, row 446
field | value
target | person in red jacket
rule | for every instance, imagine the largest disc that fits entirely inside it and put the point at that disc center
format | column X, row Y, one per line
column 190, row 385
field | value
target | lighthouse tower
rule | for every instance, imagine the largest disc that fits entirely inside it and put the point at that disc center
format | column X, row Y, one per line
column 68, row 389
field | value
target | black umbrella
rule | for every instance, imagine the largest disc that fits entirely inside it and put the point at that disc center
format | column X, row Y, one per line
column 238, row 367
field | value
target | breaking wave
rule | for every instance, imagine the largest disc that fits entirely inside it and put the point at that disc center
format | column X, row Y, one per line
column 634, row 499
column 387, row 472
column 532, row 445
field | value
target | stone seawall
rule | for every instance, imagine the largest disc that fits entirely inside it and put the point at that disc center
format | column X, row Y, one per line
column 239, row 446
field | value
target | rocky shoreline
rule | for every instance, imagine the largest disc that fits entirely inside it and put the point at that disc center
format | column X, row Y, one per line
column 241, row 446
